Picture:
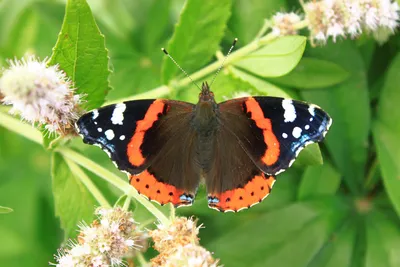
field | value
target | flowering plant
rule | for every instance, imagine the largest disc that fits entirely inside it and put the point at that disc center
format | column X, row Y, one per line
column 340, row 54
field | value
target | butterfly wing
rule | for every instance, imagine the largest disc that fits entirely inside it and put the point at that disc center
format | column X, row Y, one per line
column 233, row 180
column 274, row 130
column 153, row 142
column 264, row 136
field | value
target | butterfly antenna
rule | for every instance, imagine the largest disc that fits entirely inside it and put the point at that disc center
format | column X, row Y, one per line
column 222, row 64
column 173, row 60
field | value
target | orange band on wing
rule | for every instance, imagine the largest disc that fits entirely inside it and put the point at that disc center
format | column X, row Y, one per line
column 134, row 152
column 146, row 184
column 273, row 150
column 252, row 193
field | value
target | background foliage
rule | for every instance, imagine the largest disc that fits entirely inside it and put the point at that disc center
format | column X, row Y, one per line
column 342, row 213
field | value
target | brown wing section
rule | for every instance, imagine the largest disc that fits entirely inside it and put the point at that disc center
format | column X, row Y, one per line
column 233, row 180
column 164, row 142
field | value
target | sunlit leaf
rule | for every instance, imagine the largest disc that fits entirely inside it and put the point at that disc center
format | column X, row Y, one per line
column 197, row 35
column 339, row 251
column 383, row 241
column 80, row 52
column 276, row 239
column 348, row 105
column 319, row 181
column 312, row 73
column 73, row 202
column 263, row 87
column 275, row 59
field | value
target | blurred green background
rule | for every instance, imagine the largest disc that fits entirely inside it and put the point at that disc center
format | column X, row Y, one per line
column 341, row 213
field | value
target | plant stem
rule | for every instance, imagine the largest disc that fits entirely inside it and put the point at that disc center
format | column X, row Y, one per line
column 20, row 128
column 267, row 24
column 153, row 93
column 127, row 203
column 235, row 56
column 78, row 172
column 143, row 225
column 142, row 260
column 114, row 180
column 172, row 213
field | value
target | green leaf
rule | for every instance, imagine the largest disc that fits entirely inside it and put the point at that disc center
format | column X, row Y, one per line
column 5, row 210
column 388, row 150
column 80, row 52
column 197, row 35
column 387, row 132
column 348, row 105
column 31, row 31
column 262, row 86
column 389, row 111
column 383, row 242
column 310, row 155
column 115, row 16
column 319, row 181
column 339, row 251
column 248, row 17
column 275, row 59
column 313, row 73
column 9, row 12
column 73, row 202
column 275, row 239
column 153, row 32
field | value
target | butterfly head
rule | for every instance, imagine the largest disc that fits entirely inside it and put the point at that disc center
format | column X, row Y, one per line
column 206, row 95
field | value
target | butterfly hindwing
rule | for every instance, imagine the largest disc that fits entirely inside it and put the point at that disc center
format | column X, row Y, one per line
column 140, row 137
column 234, row 182
column 273, row 130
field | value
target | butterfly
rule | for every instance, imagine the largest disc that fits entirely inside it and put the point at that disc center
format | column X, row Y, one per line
column 237, row 146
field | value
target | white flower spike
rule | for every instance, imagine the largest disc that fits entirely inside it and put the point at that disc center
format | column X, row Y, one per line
column 104, row 243
column 342, row 18
column 40, row 94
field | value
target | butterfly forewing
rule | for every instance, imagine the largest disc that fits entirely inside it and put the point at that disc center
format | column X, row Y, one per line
column 112, row 128
column 273, row 130
column 141, row 137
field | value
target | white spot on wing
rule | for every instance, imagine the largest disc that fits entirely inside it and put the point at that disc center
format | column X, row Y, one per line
column 109, row 134
column 122, row 137
column 307, row 127
column 311, row 109
column 118, row 114
column 99, row 130
column 290, row 112
column 95, row 114
column 284, row 135
column 296, row 132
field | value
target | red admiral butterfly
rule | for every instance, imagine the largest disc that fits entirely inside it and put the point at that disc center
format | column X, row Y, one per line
column 237, row 146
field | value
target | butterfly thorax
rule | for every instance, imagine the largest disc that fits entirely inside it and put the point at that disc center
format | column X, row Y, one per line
column 205, row 115
column 205, row 124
